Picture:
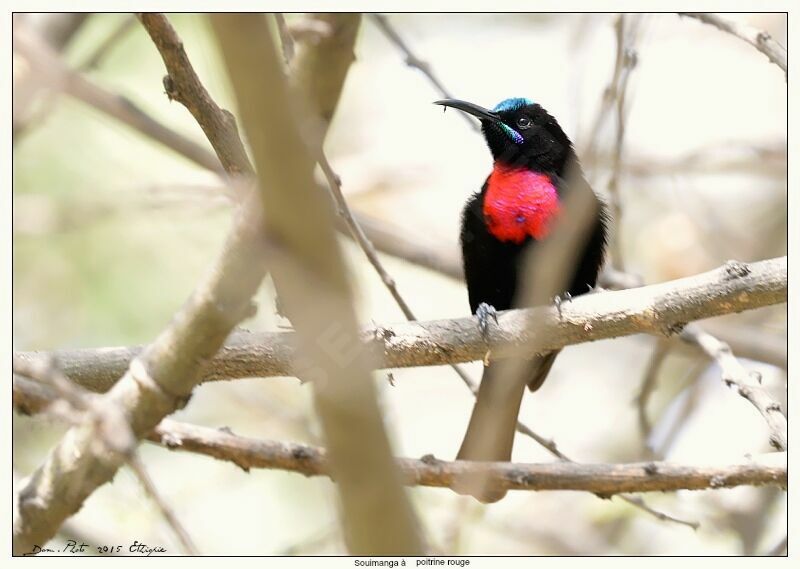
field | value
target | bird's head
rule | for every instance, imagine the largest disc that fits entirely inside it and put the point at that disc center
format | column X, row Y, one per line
column 520, row 133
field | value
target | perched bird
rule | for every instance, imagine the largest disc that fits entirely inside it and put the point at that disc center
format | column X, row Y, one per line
column 535, row 167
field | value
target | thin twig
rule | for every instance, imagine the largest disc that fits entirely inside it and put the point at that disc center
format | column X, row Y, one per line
column 415, row 62
column 649, row 381
column 397, row 241
column 172, row 520
column 335, row 188
column 747, row 384
column 626, row 61
column 638, row 502
column 759, row 39
column 687, row 407
column 753, row 343
column 590, row 148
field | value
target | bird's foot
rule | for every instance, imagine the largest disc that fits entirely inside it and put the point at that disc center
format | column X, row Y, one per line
column 484, row 313
column 560, row 299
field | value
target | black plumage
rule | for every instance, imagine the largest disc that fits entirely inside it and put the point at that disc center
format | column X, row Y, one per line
column 526, row 142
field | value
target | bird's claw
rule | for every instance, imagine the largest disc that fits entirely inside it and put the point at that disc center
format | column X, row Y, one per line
column 595, row 289
column 560, row 299
column 484, row 313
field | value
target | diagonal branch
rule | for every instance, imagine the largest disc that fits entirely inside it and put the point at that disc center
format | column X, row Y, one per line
column 136, row 465
column 82, row 88
column 415, row 62
column 748, row 384
column 183, row 85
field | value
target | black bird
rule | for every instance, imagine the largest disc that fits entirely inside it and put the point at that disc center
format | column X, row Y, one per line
column 535, row 167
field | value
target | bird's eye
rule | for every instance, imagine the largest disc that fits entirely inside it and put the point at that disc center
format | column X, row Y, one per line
column 523, row 122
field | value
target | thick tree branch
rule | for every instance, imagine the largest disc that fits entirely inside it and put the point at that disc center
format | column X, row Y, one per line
column 602, row 479
column 759, row 39
column 656, row 309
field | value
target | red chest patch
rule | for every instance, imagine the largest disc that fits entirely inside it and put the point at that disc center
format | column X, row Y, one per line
column 519, row 203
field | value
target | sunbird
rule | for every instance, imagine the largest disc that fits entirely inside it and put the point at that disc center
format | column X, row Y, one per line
column 535, row 167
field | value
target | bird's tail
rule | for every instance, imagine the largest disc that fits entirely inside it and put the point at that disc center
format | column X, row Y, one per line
column 490, row 434
column 539, row 369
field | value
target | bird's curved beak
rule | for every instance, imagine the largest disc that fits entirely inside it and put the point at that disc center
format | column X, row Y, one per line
column 470, row 108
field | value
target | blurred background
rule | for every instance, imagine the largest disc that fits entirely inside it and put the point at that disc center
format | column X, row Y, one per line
column 112, row 231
